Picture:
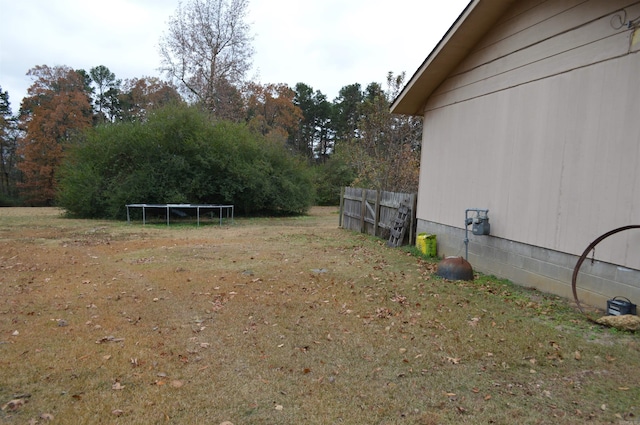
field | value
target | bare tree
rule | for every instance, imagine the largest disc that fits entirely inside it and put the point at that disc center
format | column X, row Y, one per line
column 207, row 48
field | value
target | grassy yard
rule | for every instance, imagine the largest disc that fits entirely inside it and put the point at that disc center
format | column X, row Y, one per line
column 283, row 321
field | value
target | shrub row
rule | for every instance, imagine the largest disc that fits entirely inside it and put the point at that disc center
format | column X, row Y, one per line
column 180, row 156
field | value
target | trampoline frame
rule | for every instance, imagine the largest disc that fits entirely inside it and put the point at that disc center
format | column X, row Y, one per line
column 168, row 207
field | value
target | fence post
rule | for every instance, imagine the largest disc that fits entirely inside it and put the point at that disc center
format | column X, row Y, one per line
column 376, row 215
column 363, row 211
column 342, row 191
column 412, row 229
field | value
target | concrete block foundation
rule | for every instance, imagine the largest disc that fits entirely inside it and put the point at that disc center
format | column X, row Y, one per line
column 535, row 267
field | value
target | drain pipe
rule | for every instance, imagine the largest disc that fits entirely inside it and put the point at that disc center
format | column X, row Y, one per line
column 480, row 226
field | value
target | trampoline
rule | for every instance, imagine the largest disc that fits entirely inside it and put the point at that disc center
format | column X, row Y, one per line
column 224, row 211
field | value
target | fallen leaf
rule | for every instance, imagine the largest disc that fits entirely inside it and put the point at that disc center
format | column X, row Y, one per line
column 15, row 404
column 177, row 384
column 109, row 339
column 487, row 397
column 117, row 412
column 46, row 416
column 279, row 407
column 577, row 355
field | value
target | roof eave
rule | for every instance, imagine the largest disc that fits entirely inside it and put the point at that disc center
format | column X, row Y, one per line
column 474, row 21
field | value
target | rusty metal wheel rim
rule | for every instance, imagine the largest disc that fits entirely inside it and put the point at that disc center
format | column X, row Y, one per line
column 583, row 257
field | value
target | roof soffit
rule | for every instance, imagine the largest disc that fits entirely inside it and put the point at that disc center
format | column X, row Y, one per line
column 473, row 23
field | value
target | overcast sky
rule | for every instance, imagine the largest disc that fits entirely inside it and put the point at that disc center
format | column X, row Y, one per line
column 326, row 44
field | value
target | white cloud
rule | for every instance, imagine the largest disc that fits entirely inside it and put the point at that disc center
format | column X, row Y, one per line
column 326, row 44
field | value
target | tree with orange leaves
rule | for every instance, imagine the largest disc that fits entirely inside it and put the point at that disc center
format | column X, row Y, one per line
column 57, row 106
column 271, row 111
column 140, row 96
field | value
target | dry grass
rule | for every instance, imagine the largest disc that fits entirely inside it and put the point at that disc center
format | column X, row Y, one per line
column 283, row 321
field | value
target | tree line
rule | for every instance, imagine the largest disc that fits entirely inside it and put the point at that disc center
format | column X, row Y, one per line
column 206, row 52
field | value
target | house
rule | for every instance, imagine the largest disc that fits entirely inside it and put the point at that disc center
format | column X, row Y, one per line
column 532, row 111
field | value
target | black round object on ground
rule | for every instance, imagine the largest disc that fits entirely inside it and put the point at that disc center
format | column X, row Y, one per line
column 455, row 268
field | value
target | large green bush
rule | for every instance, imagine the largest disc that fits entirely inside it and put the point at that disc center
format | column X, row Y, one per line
column 329, row 179
column 180, row 156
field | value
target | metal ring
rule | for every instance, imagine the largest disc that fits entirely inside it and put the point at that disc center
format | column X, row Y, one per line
column 583, row 257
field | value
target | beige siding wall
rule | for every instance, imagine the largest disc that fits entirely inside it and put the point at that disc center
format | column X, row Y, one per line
column 541, row 125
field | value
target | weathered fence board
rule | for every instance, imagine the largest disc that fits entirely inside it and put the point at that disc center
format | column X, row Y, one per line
column 374, row 212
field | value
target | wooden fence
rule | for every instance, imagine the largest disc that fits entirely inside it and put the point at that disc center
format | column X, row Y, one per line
column 373, row 211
